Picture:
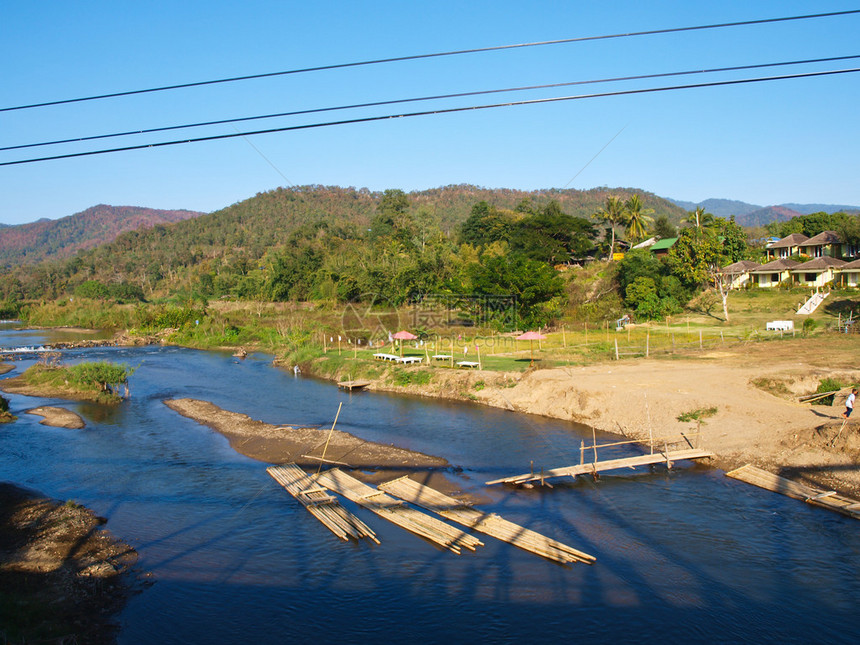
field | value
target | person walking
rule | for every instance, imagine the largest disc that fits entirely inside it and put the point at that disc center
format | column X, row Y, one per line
column 849, row 403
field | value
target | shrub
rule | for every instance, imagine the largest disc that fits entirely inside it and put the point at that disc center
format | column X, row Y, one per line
column 828, row 385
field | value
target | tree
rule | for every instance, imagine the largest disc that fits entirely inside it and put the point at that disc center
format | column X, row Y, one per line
column 637, row 219
column 551, row 235
column 699, row 219
column 849, row 231
column 692, row 257
column 392, row 217
column 663, row 228
column 534, row 285
column 733, row 238
column 485, row 225
column 613, row 214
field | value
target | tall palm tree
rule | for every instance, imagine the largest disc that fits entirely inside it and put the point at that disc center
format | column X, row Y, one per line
column 700, row 218
column 612, row 213
column 637, row 219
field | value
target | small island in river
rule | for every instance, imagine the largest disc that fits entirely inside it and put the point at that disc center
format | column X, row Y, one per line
column 304, row 446
column 58, row 417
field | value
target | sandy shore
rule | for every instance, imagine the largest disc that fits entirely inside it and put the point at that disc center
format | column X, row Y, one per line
column 753, row 387
column 61, row 574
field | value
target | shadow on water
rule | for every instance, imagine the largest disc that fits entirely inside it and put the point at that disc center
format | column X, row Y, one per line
column 683, row 554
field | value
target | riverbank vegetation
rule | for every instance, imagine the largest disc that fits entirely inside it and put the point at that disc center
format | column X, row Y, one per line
column 300, row 271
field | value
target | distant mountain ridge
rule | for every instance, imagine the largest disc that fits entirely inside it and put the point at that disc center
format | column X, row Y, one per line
column 755, row 215
column 58, row 239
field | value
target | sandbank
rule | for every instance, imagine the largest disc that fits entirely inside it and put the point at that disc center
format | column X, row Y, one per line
column 58, row 417
column 304, row 446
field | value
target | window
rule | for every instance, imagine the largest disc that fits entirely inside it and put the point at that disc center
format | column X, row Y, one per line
column 810, row 277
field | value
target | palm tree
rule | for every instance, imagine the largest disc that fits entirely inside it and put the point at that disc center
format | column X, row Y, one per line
column 700, row 219
column 612, row 213
column 637, row 219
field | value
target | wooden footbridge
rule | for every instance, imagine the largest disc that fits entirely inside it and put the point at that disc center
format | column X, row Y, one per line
column 666, row 456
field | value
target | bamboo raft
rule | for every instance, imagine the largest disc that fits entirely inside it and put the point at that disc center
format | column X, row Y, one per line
column 665, row 457
column 397, row 512
column 489, row 523
column 322, row 506
column 817, row 497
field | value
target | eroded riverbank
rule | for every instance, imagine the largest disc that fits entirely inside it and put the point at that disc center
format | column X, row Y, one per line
column 642, row 399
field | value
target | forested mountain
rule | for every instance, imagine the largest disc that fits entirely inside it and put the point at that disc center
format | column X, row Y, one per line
column 334, row 233
column 719, row 207
column 752, row 215
column 48, row 239
column 808, row 209
column 764, row 216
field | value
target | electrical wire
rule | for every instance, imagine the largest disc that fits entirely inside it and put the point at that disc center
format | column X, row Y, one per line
column 459, row 52
column 370, row 119
column 639, row 77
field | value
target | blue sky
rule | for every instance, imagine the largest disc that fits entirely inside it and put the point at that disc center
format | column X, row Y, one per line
column 767, row 143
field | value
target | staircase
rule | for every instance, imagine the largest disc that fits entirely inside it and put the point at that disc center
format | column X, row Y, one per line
column 812, row 304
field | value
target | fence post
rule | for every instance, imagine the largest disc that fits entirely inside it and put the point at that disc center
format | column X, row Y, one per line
column 700, row 339
column 616, row 349
column 647, row 343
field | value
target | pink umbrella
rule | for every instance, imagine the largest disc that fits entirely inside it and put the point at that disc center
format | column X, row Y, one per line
column 531, row 336
column 403, row 335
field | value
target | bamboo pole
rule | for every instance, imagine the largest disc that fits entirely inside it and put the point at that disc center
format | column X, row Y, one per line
column 330, row 432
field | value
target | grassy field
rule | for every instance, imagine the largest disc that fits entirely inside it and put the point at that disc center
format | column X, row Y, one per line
column 306, row 335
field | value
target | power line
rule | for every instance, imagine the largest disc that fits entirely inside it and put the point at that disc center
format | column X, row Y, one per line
column 435, row 112
column 424, row 98
column 378, row 61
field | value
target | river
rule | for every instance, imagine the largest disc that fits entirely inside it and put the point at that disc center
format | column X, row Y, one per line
column 687, row 554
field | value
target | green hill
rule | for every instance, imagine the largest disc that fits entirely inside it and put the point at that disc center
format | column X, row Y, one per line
column 232, row 247
column 57, row 239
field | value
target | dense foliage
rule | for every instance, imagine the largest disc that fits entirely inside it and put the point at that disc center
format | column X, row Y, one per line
column 336, row 245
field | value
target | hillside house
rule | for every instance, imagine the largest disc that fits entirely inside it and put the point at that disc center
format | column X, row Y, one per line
column 849, row 274
column 818, row 272
column 773, row 273
column 737, row 275
column 661, row 247
column 786, row 247
column 825, row 244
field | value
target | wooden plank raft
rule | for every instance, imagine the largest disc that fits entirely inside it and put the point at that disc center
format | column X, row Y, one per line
column 321, row 505
column 397, row 512
column 489, row 523
column 817, row 497
column 666, row 457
